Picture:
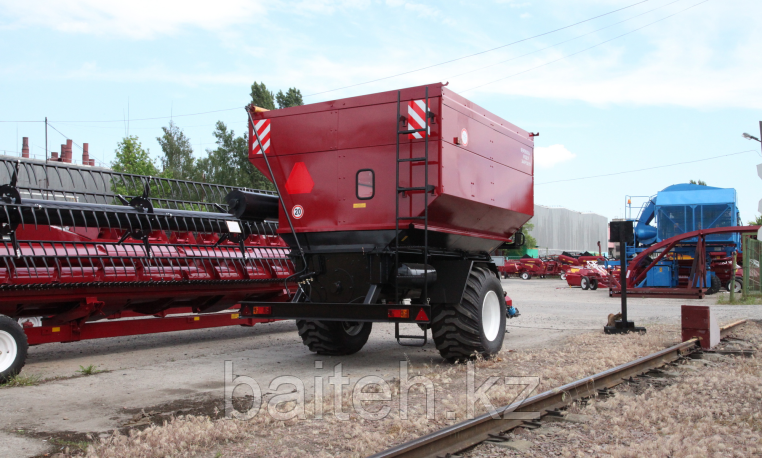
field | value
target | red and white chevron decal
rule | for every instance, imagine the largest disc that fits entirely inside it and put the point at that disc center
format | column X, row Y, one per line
column 263, row 129
column 416, row 118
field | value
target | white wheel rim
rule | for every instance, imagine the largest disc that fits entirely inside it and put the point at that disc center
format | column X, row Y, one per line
column 738, row 286
column 352, row 328
column 8, row 350
column 491, row 315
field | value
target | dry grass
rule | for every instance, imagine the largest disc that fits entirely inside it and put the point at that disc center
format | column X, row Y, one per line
column 574, row 358
column 181, row 437
column 714, row 412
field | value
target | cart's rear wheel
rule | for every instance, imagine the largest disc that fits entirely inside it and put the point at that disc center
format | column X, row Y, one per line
column 526, row 275
column 477, row 324
column 334, row 338
column 13, row 348
column 563, row 275
column 738, row 285
column 584, row 283
column 714, row 285
column 593, row 284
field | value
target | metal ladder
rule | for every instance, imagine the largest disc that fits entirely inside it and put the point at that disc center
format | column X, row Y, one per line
column 426, row 189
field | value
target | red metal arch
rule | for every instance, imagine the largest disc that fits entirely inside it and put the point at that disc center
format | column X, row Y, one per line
column 636, row 273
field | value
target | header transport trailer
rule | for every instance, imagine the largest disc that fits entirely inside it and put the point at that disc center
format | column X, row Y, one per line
column 391, row 203
column 80, row 261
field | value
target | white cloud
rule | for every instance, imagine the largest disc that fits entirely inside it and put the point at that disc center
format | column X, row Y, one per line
column 706, row 57
column 546, row 157
column 139, row 19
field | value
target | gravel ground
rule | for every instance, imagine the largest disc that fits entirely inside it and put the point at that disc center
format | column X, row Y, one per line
column 705, row 408
column 184, row 371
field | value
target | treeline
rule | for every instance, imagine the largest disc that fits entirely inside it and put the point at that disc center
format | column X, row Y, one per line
column 227, row 164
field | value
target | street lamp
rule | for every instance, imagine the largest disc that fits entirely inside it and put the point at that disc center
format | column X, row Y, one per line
column 750, row 137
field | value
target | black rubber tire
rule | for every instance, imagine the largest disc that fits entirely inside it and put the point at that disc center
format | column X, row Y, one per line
column 330, row 338
column 11, row 328
column 715, row 285
column 526, row 276
column 593, row 284
column 458, row 330
column 563, row 275
column 584, row 283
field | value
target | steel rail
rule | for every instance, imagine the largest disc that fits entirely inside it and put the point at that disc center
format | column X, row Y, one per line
column 458, row 437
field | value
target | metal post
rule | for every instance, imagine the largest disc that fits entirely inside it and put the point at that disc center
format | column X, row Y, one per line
column 623, row 278
column 732, row 284
column 746, row 259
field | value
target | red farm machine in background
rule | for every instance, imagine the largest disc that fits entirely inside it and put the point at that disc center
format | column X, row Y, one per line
column 391, row 204
column 80, row 261
column 528, row 267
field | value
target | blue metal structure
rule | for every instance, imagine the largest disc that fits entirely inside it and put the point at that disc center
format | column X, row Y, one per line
column 676, row 210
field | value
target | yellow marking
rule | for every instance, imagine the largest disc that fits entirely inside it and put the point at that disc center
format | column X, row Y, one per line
column 234, row 316
column 56, row 330
column 362, row 205
column 196, row 318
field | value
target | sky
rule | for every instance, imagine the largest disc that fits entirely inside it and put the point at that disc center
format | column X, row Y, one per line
column 612, row 86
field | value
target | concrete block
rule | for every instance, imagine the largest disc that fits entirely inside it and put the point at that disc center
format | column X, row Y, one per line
column 700, row 321
column 518, row 445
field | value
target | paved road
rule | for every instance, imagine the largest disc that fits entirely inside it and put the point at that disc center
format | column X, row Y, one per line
column 183, row 369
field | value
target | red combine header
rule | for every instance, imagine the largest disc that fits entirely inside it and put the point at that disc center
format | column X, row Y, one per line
column 80, row 261
column 392, row 202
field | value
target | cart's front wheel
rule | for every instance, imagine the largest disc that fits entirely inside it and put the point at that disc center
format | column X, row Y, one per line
column 334, row 338
column 13, row 348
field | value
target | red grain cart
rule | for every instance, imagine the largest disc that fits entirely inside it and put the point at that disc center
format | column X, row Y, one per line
column 392, row 203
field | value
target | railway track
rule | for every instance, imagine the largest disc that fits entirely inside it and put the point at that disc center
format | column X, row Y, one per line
column 455, row 438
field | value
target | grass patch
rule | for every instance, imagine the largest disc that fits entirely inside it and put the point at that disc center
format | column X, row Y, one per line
column 21, row 380
column 71, row 445
column 739, row 300
column 89, row 370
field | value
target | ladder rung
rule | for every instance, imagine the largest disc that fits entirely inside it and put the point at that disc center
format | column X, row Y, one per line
column 417, row 188
column 413, row 159
column 400, row 132
column 401, row 218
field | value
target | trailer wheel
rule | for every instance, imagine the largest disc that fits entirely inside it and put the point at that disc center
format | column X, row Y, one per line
column 714, row 286
column 477, row 324
column 585, row 283
column 13, row 348
column 738, row 285
column 334, row 338
column 526, row 275
column 563, row 275
column 593, row 284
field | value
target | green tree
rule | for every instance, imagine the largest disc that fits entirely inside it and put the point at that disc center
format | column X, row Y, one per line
column 531, row 242
column 699, row 182
column 131, row 158
column 755, row 222
column 292, row 98
column 262, row 97
column 178, row 162
column 229, row 164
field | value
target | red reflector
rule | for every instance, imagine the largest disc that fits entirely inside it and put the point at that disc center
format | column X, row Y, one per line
column 421, row 316
column 261, row 311
column 299, row 180
column 399, row 313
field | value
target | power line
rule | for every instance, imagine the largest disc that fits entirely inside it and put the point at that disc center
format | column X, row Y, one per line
column 65, row 136
column 583, row 50
column 647, row 168
column 477, row 53
column 561, row 42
